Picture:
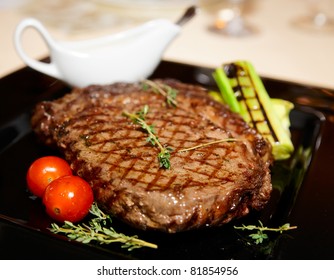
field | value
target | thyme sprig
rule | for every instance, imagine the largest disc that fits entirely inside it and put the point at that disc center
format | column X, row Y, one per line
column 139, row 118
column 165, row 90
column 260, row 235
column 208, row 144
column 98, row 231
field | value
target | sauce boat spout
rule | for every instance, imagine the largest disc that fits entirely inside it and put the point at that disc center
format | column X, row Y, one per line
column 128, row 56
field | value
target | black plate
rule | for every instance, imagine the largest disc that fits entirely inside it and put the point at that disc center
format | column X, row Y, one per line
column 303, row 186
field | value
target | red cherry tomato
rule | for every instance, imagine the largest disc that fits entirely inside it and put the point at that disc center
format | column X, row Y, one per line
column 43, row 171
column 68, row 198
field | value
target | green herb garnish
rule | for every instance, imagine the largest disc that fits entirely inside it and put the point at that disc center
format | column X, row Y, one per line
column 98, row 230
column 208, row 144
column 139, row 118
column 165, row 90
column 260, row 235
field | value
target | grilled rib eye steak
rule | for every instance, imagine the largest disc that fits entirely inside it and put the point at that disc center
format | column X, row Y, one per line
column 207, row 185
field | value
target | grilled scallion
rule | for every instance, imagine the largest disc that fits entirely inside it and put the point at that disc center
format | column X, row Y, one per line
column 255, row 105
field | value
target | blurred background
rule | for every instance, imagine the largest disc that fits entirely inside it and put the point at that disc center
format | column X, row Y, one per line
column 285, row 39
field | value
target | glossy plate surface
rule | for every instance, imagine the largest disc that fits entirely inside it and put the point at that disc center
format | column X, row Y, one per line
column 303, row 186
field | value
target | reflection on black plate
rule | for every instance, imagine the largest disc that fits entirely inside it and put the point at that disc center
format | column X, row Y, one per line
column 303, row 186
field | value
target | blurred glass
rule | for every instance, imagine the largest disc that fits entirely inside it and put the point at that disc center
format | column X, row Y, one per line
column 319, row 16
column 229, row 16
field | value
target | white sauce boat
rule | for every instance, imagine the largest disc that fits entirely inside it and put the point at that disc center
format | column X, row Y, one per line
column 128, row 56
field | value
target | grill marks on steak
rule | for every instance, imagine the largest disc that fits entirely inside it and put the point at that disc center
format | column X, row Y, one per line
column 208, row 185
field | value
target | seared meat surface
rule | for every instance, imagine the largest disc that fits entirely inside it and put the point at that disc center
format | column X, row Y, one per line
column 207, row 185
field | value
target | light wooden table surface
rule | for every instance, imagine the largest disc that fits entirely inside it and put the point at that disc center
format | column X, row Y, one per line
column 277, row 49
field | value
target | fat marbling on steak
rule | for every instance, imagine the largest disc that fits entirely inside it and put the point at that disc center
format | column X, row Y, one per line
column 205, row 186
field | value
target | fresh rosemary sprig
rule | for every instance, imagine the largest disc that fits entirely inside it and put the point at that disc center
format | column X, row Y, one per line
column 139, row 118
column 260, row 236
column 97, row 230
column 165, row 90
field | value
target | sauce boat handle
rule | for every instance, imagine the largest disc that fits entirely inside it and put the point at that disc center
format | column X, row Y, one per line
column 46, row 68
